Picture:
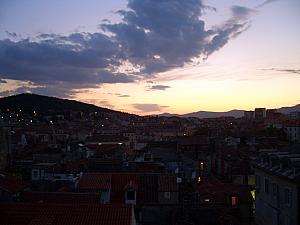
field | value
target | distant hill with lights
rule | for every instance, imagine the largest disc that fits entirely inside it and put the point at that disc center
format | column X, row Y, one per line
column 28, row 103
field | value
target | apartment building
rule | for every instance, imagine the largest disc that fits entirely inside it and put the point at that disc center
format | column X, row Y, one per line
column 277, row 175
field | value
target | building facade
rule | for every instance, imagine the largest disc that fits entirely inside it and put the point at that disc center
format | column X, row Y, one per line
column 277, row 177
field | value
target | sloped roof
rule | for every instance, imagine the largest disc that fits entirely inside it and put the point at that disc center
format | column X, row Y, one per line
column 11, row 183
column 61, row 214
column 167, row 182
column 222, row 191
column 95, row 181
column 59, row 197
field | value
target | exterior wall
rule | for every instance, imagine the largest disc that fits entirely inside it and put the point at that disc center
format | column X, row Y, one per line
column 246, row 214
column 4, row 146
column 5, row 196
column 174, row 196
column 260, row 113
column 293, row 133
column 271, row 207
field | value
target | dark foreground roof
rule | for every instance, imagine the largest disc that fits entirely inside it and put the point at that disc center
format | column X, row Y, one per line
column 57, row 214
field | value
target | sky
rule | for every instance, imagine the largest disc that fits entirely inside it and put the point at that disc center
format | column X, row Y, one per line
column 150, row 56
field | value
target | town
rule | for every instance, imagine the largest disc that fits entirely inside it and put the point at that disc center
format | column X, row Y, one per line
column 65, row 162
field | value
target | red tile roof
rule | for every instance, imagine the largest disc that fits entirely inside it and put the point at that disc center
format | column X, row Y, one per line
column 55, row 214
column 95, row 181
column 167, row 182
column 11, row 183
column 146, row 186
column 59, row 197
column 119, row 184
column 222, row 191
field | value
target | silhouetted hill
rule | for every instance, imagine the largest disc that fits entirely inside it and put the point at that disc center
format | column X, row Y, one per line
column 43, row 104
column 208, row 114
column 287, row 110
column 232, row 113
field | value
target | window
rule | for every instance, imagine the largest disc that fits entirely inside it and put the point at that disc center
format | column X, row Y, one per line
column 130, row 195
column 287, row 221
column 199, row 180
column 206, row 200
column 267, row 186
column 257, row 182
column 167, row 195
column 275, row 190
column 35, row 174
column 287, row 196
column 234, row 200
column 201, row 165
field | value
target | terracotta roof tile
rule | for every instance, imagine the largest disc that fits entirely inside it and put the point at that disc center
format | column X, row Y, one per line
column 64, row 198
column 11, row 183
column 167, row 182
column 95, row 181
column 56, row 214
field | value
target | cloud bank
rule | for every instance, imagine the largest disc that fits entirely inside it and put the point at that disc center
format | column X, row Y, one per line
column 159, row 87
column 147, row 108
column 153, row 36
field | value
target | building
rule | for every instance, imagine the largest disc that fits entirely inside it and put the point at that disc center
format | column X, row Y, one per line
column 249, row 115
column 260, row 113
column 64, row 214
column 10, row 187
column 131, row 188
column 294, row 115
column 292, row 132
column 5, row 144
column 277, row 175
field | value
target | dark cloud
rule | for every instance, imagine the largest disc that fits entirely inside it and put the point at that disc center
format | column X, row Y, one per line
column 11, row 34
column 105, row 103
column 242, row 12
column 237, row 24
column 159, row 87
column 102, row 103
column 148, row 107
column 266, row 2
column 295, row 71
column 123, row 96
column 154, row 36
column 119, row 95
column 61, row 63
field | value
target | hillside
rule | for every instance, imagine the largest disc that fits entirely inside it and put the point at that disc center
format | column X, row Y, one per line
column 232, row 113
column 43, row 104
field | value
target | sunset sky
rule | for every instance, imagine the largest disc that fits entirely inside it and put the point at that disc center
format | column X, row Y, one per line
column 150, row 56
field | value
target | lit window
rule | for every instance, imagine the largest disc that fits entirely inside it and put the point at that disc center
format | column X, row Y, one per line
column 199, row 179
column 201, row 165
column 234, row 200
column 206, row 200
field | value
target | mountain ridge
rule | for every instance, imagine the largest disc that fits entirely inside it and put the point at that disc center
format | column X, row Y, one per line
column 237, row 113
column 28, row 103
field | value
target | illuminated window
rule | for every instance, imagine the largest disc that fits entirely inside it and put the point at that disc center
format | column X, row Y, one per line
column 234, row 200
column 201, row 165
column 206, row 200
column 199, row 180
